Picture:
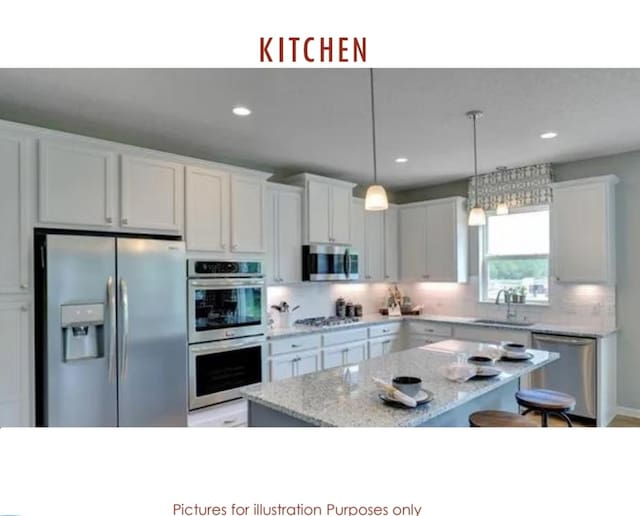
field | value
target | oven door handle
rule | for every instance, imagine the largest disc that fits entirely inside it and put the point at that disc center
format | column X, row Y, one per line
column 200, row 349
column 223, row 283
column 347, row 264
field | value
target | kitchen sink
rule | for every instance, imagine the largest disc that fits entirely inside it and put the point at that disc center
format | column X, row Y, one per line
column 503, row 322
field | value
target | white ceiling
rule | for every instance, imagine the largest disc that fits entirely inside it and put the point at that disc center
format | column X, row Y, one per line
column 318, row 120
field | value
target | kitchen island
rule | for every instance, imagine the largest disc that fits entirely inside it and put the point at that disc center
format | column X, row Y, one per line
column 347, row 397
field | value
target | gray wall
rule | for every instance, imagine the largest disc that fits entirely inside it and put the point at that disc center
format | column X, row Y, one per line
column 627, row 167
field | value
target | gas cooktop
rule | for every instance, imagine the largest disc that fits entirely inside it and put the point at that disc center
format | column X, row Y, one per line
column 327, row 321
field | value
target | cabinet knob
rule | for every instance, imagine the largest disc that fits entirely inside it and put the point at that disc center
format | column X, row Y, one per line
column 125, row 221
column 109, row 219
column 234, row 247
column 386, row 276
column 24, row 286
column 24, row 308
column 223, row 246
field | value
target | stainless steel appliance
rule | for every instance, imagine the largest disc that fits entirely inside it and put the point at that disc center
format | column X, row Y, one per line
column 322, row 322
column 574, row 373
column 218, row 370
column 227, row 324
column 329, row 263
column 111, row 333
column 226, row 300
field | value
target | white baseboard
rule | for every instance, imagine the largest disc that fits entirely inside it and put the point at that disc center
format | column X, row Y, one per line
column 630, row 412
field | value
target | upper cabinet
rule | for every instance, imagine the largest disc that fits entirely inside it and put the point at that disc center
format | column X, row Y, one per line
column 391, row 244
column 374, row 245
column 14, row 210
column 284, row 234
column 357, row 237
column 225, row 212
column 77, row 184
column 433, row 241
column 327, row 209
column 247, row 215
column 151, row 194
column 586, row 256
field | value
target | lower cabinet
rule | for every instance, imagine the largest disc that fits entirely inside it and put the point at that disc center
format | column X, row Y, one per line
column 293, row 364
column 344, row 354
column 424, row 332
column 15, row 364
column 492, row 335
column 229, row 414
column 379, row 347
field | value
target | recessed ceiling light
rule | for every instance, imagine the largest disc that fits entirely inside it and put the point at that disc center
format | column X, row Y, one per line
column 549, row 135
column 401, row 160
column 241, row 111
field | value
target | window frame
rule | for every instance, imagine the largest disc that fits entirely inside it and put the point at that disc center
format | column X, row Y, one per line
column 483, row 245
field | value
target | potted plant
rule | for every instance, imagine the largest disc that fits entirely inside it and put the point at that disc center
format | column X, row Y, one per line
column 522, row 294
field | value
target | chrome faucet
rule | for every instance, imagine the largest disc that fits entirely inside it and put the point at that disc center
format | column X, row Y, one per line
column 511, row 314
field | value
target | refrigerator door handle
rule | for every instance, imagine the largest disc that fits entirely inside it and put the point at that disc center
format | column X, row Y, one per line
column 124, row 347
column 111, row 307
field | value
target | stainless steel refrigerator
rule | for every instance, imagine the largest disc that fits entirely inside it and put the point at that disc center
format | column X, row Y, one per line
column 111, row 344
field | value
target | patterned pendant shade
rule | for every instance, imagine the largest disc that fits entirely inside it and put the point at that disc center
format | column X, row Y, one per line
column 515, row 187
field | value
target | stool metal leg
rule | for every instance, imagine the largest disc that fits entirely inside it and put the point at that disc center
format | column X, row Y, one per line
column 565, row 417
column 545, row 418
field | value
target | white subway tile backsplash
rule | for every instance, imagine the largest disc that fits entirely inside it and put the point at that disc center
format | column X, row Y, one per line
column 579, row 305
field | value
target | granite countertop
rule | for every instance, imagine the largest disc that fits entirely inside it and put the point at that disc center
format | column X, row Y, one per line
column 368, row 320
column 346, row 396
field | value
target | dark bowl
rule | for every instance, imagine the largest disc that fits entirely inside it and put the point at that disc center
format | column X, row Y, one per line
column 482, row 360
column 410, row 385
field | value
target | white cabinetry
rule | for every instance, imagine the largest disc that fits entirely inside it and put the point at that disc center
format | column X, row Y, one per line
column 488, row 334
column 77, row 184
column 247, row 215
column 293, row 364
column 357, row 234
column 225, row 212
column 229, row 414
column 433, row 241
column 391, row 244
column 583, row 230
column 284, row 234
column 151, row 194
column 15, row 364
column 426, row 332
column 374, row 245
column 327, row 209
column 14, row 210
column 344, row 354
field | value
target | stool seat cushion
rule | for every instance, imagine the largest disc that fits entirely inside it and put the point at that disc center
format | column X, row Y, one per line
column 499, row 418
column 545, row 399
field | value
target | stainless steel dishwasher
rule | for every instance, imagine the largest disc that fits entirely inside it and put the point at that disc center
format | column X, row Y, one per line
column 574, row 373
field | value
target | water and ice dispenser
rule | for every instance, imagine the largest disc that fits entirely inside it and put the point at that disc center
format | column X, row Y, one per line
column 82, row 331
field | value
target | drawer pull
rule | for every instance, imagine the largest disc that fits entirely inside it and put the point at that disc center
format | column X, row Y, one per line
column 296, row 346
column 386, row 330
column 429, row 330
column 228, row 422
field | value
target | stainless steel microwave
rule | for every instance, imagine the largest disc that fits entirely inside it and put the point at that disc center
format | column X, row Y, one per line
column 329, row 263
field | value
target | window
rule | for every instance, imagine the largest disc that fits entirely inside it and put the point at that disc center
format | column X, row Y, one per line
column 515, row 255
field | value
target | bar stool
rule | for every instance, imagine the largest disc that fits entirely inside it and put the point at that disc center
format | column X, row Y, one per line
column 547, row 402
column 498, row 418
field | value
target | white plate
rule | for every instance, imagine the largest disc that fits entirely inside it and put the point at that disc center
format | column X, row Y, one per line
column 487, row 371
column 424, row 396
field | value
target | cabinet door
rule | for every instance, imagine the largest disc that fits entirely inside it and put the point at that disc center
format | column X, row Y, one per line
column 357, row 234
column 76, row 184
column 355, row 353
column 340, row 215
column 374, row 245
column 207, row 210
column 15, row 366
column 14, row 230
column 289, row 231
column 309, row 363
column 413, row 243
column 581, row 256
column 247, row 215
column 151, row 194
column 281, row 367
column 441, row 242
column 379, row 347
column 333, row 357
column 271, row 226
column 318, row 212
column 391, row 244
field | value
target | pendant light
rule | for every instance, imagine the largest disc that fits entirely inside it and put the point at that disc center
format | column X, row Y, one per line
column 376, row 199
column 477, row 216
column 502, row 208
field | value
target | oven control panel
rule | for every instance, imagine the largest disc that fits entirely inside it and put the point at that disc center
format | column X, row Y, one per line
column 200, row 268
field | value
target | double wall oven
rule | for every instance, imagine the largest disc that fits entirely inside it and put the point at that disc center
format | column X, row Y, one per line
column 226, row 317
